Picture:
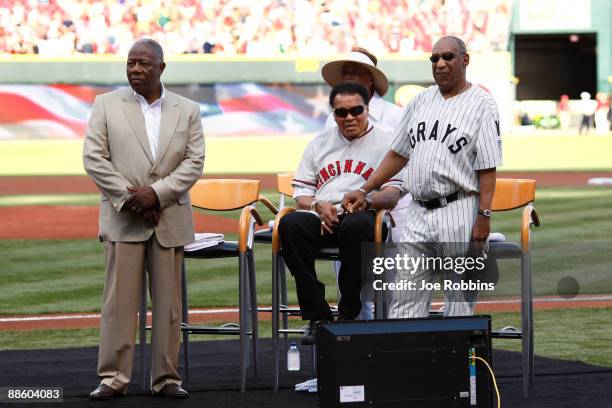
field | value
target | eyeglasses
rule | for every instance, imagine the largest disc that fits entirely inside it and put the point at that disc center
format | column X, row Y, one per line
column 447, row 56
column 354, row 111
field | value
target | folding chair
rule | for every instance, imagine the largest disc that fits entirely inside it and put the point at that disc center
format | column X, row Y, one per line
column 511, row 194
column 285, row 189
column 224, row 195
column 279, row 287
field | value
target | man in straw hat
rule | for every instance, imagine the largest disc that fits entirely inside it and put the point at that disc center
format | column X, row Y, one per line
column 360, row 66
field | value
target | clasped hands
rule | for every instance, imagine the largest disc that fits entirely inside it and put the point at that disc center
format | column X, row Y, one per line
column 330, row 218
column 355, row 201
column 144, row 201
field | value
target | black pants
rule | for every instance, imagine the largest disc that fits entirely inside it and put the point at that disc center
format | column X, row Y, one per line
column 300, row 234
column 585, row 123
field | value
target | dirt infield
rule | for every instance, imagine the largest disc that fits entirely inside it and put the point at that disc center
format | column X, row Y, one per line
column 77, row 222
column 81, row 222
column 204, row 316
column 15, row 185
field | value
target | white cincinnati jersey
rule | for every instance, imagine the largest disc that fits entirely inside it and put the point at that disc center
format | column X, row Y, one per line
column 446, row 141
column 332, row 165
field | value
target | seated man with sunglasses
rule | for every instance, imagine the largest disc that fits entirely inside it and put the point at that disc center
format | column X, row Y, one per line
column 361, row 66
column 334, row 163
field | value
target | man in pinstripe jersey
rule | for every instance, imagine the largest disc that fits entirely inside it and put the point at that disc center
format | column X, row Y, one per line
column 449, row 137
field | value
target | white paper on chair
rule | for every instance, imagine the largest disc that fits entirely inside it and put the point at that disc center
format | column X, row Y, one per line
column 496, row 237
column 493, row 237
column 204, row 240
column 309, row 386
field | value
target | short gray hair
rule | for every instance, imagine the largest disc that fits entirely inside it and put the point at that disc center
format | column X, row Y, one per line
column 154, row 46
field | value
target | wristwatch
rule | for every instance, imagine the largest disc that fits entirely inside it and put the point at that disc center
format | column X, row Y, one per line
column 484, row 213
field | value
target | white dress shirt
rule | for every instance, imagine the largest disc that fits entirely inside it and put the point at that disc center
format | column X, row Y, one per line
column 152, row 117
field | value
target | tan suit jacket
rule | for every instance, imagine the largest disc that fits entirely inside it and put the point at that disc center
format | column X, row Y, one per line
column 116, row 154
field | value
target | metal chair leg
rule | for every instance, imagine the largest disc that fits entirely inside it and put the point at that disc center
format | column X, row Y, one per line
column 283, row 295
column 142, row 330
column 253, row 306
column 379, row 302
column 314, row 361
column 243, row 317
column 275, row 317
column 385, row 299
column 247, row 312
column 526, row 332
column 185, row 319
column 530, row 321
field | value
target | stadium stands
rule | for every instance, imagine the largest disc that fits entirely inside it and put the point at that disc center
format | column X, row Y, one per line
column 261, row 28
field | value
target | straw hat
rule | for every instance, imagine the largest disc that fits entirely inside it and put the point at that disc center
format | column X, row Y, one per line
column 332, row 71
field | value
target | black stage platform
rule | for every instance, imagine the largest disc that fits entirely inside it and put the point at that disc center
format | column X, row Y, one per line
column 215, row 379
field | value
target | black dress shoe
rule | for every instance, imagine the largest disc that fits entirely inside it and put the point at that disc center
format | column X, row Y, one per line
column 172, row 390
column 104, row 392
column 309, row 336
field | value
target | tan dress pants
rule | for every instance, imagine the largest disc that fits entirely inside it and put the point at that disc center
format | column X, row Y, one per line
column 125, row 263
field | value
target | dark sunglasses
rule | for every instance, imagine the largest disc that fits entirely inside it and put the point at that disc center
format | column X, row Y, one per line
column 447, row 56
column 354, row 111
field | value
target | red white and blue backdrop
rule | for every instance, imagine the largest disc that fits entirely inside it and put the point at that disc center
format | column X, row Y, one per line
column 232, row 109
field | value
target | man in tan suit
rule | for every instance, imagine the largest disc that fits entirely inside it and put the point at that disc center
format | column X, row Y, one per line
column 144, row 149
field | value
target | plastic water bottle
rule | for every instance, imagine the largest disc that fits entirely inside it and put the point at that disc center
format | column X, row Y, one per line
column 293, row 358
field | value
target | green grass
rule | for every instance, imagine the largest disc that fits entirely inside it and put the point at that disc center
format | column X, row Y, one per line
column 564, row 153
column 49, row 199
column 570, row 334
column 224, row 155
column 48, row 339
column 94, row 199
column 573, row 334
column 67, row 276
column 272, row 154
column 574, row 240
column 50, row 276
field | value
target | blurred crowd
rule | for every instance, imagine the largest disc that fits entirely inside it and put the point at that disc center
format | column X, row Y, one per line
column 255, row 28
column 571, row 116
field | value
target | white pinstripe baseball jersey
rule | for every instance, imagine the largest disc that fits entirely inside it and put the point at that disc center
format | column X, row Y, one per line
column 447, row 140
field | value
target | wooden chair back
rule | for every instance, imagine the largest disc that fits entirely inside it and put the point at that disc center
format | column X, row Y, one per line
column 283, row 183
column 513, row 193
column 224, row 194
